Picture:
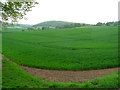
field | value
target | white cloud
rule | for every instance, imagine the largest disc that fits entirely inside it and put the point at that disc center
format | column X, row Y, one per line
column 83, row 11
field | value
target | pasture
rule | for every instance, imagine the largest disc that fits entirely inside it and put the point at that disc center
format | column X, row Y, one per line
column 64, row 49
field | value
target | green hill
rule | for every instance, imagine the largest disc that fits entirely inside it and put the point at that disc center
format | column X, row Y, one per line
column 51, row 23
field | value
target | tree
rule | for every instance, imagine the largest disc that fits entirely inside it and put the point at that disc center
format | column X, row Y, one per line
column 108, row 24
column 45, row 28
column 99, row 24
column 14, row 11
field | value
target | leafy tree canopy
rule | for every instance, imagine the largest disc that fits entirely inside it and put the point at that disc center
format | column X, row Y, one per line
column 12, row 10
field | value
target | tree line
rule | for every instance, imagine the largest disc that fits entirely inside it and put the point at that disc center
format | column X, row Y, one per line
column 107, row 24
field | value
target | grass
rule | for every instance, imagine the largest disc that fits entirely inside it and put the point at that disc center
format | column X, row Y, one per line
column 65, row 49
column 15, row 77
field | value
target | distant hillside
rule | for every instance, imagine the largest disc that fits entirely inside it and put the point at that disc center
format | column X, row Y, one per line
column 22, row 25
column 51, row 23
column 9, row 25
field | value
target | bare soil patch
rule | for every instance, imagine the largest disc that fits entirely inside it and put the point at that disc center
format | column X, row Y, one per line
column 68, row 76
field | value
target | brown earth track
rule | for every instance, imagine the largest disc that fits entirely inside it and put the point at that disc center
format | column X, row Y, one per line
column 68, row 76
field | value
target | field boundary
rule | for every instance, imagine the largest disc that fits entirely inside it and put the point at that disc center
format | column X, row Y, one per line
column 80, row 76
column 69, row 76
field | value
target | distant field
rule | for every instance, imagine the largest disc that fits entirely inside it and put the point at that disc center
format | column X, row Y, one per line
column 68, row 49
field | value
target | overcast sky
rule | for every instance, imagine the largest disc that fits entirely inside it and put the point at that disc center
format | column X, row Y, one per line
column 81, row 11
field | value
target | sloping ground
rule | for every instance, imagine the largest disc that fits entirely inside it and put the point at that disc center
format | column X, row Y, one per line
column 65, row 49
column 69, row 76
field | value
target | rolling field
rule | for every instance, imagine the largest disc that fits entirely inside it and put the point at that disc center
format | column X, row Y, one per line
column 65, row 49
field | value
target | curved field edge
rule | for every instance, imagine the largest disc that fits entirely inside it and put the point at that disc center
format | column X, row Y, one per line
column 15, row 77
column 65, row 49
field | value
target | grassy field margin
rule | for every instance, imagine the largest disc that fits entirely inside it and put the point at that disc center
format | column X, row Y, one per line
column 15, row 77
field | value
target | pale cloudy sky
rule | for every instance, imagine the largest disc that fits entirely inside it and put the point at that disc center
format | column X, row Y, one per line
column 82, row 11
